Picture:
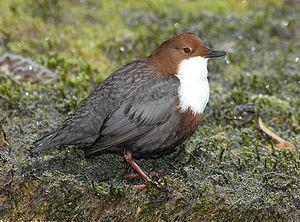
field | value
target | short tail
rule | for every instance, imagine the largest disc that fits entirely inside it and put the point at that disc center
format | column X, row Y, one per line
column 65, row 135
column 48, row 142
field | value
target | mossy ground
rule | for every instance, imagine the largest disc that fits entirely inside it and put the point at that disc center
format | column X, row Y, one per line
column 229, row 171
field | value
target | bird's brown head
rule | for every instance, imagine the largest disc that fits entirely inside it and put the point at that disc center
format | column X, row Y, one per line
column 181, row 47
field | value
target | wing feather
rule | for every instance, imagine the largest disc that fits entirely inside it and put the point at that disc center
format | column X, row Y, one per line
column 82, row 128
column 146, row 107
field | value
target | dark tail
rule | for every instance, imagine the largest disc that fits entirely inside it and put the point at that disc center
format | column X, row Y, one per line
column 48, row 142
column 67, row 134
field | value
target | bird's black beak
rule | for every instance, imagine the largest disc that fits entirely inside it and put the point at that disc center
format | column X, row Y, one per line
column 214, row 54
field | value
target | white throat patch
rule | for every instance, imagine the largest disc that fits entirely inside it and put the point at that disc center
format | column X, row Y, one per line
column 194, row 89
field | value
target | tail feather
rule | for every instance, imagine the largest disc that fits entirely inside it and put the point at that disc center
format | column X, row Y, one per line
column 66, row 135
column 46, row 143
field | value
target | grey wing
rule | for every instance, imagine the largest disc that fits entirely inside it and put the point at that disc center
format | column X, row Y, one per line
column 146, row 107
column 83, row 127
column 80, row 128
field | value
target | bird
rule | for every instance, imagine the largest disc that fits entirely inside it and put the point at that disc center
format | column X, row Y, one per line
column 144, row 109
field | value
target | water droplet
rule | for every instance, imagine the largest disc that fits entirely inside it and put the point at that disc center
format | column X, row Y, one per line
column 237, row 117
column 26, row 93
column 229, row 17
column 213, row 155
column 122, row 49
column 284, row 23
column 30, row 68
column 227, row 60
column 297, row 59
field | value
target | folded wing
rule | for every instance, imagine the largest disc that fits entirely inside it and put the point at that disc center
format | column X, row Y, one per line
column 82, row 128
column 146, row 107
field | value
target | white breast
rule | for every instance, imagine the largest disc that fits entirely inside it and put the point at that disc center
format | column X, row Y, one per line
column 194, row 88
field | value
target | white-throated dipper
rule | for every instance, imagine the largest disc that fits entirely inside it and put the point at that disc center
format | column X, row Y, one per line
column 144, row 109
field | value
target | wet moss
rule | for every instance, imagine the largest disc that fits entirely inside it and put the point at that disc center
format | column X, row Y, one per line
column 228, row 171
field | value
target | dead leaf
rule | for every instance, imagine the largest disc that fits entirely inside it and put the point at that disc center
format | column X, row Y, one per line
column 282, row 143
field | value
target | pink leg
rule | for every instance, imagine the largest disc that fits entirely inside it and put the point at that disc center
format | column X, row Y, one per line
column 128, row 158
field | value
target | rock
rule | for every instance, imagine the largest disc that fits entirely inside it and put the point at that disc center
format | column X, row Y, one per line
column 23, row 69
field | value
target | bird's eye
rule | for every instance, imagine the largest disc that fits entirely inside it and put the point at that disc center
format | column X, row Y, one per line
column 187, row 50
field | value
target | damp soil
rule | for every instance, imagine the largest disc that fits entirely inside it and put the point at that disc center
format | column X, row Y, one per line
column 53, row 53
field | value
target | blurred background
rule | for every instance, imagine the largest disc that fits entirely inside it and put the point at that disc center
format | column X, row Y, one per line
column 54, row 52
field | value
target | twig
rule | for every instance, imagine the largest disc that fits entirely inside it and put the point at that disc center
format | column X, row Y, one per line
column 282, row 143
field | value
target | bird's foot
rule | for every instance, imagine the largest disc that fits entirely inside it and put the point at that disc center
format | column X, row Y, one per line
column 158, row 184
column 128, row 158
column 139, row 186
column 133, row 176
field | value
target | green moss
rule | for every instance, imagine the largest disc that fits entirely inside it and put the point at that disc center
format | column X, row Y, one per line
column 229, row 171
